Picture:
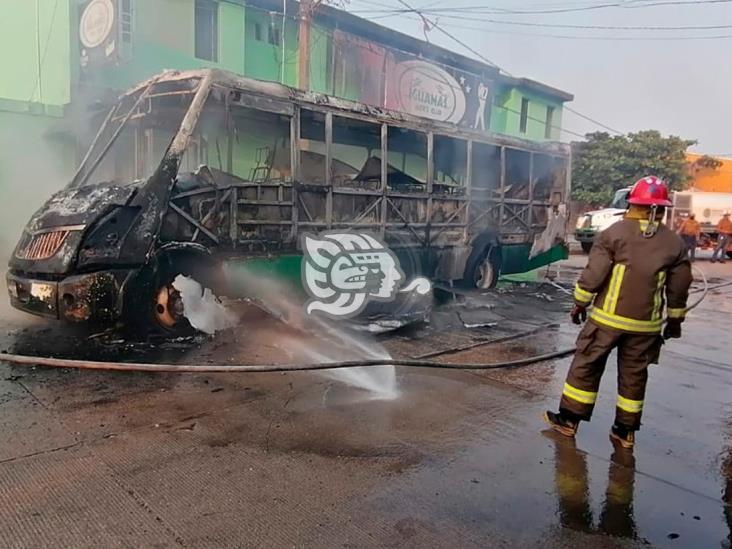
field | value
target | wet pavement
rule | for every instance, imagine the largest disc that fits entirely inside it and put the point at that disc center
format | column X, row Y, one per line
column 103, row 459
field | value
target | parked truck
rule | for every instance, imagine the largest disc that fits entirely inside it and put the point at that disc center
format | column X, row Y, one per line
column 592, row 223
column 709, row 208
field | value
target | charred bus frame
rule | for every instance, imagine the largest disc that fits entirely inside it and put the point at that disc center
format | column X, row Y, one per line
column 503, row 193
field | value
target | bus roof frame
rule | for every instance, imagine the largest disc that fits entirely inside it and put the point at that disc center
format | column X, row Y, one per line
column 285, row 95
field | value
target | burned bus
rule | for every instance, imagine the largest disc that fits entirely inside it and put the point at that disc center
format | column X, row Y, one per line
column 193, row 170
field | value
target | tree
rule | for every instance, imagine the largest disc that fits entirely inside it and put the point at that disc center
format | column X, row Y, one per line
column 706, row 162
column 605, row 163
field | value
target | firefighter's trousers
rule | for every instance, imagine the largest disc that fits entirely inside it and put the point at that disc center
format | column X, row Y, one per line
column 635, row 353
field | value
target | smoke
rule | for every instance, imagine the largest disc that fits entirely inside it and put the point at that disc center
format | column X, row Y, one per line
column 34, row 164
column 318, row 340
column 38, row 157
column 201, row 307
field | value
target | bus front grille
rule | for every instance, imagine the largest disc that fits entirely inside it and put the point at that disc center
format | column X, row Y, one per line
column 43, row 245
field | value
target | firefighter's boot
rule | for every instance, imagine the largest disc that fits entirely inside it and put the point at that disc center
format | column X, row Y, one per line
column 623, row 436
column 561, row 424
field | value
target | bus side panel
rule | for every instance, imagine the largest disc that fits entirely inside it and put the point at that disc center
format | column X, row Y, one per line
column 516, row 258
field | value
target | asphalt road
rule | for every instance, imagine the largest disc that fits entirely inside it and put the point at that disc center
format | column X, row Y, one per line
column 458, row 459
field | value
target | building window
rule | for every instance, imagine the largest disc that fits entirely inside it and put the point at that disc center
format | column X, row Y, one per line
column 207, row 30
column 126, row 21
column 523, row 123
column 275, row 36
column 258, row 32
column 549, row 122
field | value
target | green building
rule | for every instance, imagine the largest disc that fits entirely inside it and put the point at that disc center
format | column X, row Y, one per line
column 63, row 61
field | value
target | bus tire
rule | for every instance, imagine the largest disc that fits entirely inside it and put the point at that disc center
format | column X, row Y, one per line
column 586, row 247
column 484, row 267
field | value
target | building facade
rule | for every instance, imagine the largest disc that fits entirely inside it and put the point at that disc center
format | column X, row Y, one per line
column 63, row 62
column 710, row 179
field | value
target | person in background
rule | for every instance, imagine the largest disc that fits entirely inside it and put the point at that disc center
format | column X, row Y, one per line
column 690, row 232
column 724, row 231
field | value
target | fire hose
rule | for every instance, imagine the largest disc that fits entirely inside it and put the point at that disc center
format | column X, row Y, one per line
column 262, row 368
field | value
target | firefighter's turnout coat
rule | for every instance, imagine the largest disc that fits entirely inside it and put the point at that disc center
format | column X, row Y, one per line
column 630, row 280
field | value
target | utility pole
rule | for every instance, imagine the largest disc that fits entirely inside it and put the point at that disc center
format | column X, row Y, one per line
column 307, row 11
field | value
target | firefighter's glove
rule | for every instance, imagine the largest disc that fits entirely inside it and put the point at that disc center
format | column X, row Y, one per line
column 672, row 330
column 579, row 314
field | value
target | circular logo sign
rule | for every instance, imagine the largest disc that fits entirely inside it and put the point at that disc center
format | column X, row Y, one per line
column 429, row 91
column 96, row 23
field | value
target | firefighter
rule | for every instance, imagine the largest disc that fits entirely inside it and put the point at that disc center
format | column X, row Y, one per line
column 690, row 232
column 636, row 265
column 724, row 234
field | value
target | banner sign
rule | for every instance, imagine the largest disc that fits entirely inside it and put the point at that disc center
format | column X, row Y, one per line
column 371, row 73
column 99, row 33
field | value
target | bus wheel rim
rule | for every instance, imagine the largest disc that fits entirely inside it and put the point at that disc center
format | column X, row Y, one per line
column 166, row 310
column 485, row 275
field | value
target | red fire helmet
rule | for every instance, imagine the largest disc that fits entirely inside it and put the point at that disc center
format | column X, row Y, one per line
column 649, row 191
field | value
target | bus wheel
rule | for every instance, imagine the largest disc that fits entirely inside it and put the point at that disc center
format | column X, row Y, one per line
column 485, row 271
column 586, row 246
column 166, row 306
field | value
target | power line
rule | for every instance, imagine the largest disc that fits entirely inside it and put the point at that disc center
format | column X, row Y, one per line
column 596, row 38
column 575, row 36
column 604, row 126
column 678, row 3
column 592, row 7
column 42, row 60
column 450, row 35
column 595, row 27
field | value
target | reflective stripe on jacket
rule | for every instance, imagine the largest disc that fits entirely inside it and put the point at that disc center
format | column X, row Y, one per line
column 629, row 279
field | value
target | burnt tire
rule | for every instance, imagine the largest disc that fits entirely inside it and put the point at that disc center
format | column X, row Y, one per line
column 586, row 247
column 483, row 269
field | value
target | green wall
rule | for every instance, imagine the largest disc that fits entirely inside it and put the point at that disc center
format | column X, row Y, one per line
column 163, row 38
column 507, row 114
column 36, row 156
column 321, row 49
column 34, row 53
column 43, row 34
column 263, row 60
column 158, row 44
